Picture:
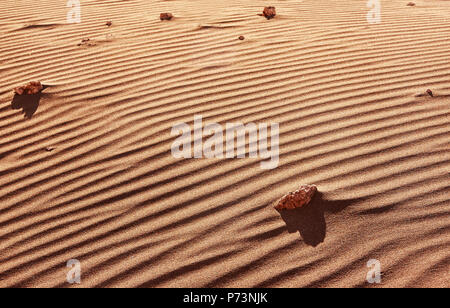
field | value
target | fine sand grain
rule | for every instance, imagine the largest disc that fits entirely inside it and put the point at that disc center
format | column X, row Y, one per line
column 88, row 173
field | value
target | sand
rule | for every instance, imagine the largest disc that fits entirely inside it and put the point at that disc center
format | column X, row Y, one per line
column 88, row 174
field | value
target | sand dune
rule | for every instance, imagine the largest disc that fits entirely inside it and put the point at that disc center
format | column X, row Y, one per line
column 88, row 174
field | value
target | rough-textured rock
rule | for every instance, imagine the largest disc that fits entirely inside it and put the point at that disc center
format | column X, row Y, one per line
column 270, row 12
column 109, row 23
column 166, row 16
column 430, row 93
column 31, row 88
column 297, row 199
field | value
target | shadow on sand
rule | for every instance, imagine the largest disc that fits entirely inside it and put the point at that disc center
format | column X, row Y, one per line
column 310, row 220
column 28, row 103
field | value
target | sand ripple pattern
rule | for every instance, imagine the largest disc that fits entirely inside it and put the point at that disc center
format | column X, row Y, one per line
column 111, row 195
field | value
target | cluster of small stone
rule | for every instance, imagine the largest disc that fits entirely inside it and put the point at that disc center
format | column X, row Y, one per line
column 269, row 12
column 86, row 42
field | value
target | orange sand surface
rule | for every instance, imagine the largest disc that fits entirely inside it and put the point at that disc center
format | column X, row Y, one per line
column 88, row 173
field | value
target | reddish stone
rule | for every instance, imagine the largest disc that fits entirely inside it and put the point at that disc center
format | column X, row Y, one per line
column 269, row 12
column 166, row 16
column 297, row 199
column 31, row 88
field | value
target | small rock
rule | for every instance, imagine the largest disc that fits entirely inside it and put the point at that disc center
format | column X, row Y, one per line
column 109, row 23
column 297, row 199
column 269, row 12
column 31, row 88
column 430, row 93
column 49, row 149
column 241, row 38
column 166, row 16
column 411, row 4
column 86, row 42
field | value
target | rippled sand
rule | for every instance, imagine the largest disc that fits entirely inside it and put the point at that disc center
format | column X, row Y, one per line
column 89, row 174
